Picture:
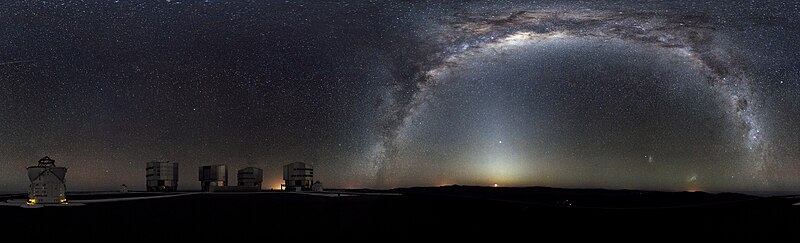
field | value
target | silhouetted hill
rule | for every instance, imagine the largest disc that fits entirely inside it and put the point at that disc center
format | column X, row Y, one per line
column 561, row 197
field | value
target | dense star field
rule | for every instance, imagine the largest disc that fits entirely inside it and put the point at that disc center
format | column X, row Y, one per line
column 688, row 95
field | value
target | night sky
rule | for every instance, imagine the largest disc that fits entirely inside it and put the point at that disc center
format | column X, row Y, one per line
column 654, row 95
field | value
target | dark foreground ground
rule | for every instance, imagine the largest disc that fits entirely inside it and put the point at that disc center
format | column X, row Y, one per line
column 450, row 212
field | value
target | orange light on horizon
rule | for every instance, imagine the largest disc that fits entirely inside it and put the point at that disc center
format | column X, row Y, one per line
column 274, row 185
column 693, row 189
column 444, row 183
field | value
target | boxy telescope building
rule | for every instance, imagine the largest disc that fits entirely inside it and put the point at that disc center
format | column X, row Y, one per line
column 212, row 177
column 298, row 176
column 250, row 177
column 162, row 176
column 47, row 183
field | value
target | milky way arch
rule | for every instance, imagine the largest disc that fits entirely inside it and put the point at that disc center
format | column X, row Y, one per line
column 689, row 36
